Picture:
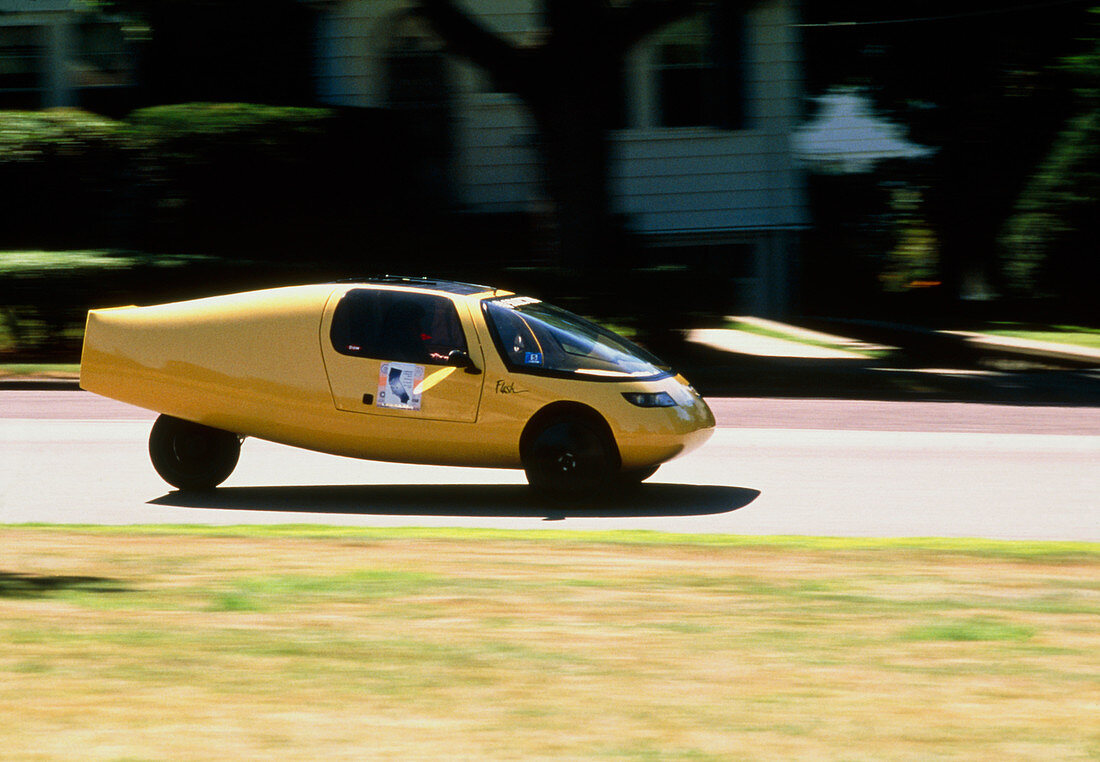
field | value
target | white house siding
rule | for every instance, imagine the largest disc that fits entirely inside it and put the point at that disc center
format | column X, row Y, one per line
column 350, row 52
column 694, row 180
column 497, row 167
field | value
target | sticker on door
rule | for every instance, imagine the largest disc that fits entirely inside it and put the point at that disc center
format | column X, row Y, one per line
column 397, row 385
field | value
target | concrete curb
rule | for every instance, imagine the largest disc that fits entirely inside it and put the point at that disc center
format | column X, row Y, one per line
column 39, row 384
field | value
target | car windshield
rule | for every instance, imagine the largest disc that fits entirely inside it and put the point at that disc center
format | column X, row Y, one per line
column 537, row 337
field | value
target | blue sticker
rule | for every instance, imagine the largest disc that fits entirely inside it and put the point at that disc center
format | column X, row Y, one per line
column 533, row 358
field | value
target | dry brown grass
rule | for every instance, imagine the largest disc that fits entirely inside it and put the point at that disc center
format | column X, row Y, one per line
column 132, row 647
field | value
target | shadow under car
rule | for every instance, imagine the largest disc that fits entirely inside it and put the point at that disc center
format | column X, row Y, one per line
column 480, row 500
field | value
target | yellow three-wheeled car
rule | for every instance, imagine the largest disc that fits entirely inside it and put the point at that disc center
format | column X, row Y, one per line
column 394, row 369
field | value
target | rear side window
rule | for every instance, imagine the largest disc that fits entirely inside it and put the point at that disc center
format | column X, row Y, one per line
column 398, row 326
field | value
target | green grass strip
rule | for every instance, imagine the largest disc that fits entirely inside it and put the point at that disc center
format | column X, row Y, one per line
column 1022, row 549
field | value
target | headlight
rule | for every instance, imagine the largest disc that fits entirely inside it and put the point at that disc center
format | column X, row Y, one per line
column 650, row 399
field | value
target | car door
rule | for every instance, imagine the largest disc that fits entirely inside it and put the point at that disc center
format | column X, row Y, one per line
column 389, row 352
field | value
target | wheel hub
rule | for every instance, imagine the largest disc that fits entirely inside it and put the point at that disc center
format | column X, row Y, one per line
column 567, row 463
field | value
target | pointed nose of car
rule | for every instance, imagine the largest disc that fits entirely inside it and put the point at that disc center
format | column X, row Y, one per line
column 661, row 420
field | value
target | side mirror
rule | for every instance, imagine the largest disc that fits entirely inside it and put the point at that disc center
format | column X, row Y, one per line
column 461, row 359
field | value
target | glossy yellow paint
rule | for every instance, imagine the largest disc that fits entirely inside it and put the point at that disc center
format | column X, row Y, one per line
column 262, row 364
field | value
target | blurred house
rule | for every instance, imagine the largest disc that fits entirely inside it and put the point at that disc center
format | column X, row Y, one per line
column 703, row 164
column 62, row 53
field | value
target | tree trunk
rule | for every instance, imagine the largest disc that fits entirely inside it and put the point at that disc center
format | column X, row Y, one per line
column 572, row 82
column 576, row 165
column 573, row 107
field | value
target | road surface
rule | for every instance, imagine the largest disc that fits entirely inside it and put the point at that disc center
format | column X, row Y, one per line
column 791, row 467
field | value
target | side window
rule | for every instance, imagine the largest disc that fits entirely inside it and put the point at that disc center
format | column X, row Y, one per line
column 534, row 337
column 516, row 337
column 394, row 325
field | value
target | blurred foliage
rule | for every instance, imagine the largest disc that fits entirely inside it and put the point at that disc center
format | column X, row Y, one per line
column 912, row 263
column 213, row 178
column 271, row 126
column 61, row 164
column 1052, row 243
column 44, row 295
column 980, row 83
column 27, row 136
column 15, row 264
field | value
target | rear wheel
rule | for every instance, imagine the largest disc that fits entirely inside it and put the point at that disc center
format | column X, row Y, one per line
column 570, row 457
column 190, row 456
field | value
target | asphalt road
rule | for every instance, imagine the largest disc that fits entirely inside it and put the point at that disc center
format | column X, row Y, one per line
column 793, row 467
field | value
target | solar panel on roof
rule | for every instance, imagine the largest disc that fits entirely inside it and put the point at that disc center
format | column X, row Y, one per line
column 447, row 286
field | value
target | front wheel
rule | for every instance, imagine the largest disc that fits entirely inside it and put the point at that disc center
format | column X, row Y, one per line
column 570, row 457
column 190, row 456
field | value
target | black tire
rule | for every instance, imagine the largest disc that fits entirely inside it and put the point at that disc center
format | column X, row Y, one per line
column 190, row 456
column 570, row 457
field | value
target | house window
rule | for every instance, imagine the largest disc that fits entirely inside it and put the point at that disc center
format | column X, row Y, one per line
column 103, row 58
column 22, row 60
column 698, row 71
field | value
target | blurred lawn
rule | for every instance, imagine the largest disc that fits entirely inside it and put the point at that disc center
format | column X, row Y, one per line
column 41, row 262
column 314, row 643
column 771, row 333
column 1059, row 334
